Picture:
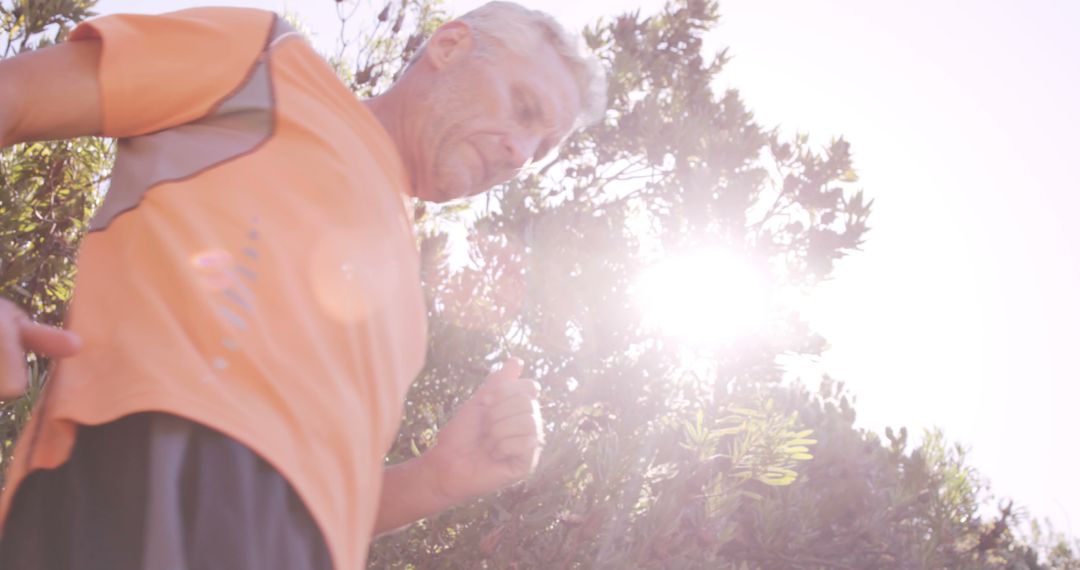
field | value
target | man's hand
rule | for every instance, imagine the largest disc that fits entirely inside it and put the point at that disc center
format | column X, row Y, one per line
column 19, row 334
column 493, row 440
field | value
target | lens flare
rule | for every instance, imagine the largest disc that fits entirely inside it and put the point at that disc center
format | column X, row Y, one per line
column 703, row 298
column 214, row 268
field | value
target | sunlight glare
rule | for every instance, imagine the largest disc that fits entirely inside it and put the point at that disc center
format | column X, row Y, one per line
column 702, row 298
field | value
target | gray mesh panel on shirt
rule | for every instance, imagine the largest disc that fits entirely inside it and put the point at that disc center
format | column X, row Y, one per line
column 236, row 126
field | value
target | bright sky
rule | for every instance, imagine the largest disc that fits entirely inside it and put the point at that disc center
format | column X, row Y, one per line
column 963, row 117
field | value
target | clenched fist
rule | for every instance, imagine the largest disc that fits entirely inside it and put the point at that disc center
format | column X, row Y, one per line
column 19, row 334
column 493, row 440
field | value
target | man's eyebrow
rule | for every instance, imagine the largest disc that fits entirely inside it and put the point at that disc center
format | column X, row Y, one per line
column 528, row 95
column 531, row 97
column 547, row 114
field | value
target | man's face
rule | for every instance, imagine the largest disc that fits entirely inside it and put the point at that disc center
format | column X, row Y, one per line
column 487, row 114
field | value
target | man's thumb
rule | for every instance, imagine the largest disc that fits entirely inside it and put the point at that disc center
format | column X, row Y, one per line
column 511, row 369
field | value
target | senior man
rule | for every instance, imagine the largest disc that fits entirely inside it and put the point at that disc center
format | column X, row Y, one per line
column 248, row 313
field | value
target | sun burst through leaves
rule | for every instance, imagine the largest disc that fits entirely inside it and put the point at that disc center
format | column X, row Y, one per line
column 703, row 298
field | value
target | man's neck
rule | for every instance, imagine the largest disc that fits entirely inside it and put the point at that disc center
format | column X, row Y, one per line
column 389, row 111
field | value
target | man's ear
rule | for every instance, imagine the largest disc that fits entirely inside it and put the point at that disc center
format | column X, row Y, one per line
column 449, row 44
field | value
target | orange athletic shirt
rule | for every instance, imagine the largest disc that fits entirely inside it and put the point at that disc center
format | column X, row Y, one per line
column 252, row 268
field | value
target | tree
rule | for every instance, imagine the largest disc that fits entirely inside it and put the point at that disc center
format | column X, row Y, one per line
column 654, row 459
column 651, row 462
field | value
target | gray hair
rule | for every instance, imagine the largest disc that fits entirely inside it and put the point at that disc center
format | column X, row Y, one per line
column 520, row 29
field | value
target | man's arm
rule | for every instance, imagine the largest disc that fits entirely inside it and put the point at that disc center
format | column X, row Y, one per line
column 50, row 93
column 409, row 493
column 493, row 440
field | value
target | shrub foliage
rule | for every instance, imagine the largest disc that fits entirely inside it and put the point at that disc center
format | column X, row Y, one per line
column 658, row 454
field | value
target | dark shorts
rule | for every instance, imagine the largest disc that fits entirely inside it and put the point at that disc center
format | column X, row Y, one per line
column 155, row 492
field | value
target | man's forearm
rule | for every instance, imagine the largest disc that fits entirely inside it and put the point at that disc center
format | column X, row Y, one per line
column 8, row 110
column 410, row 492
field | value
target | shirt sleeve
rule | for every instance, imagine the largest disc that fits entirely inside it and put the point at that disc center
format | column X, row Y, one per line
column 158, row 72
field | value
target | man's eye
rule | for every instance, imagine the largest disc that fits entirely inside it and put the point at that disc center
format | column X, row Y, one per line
column 526, row 112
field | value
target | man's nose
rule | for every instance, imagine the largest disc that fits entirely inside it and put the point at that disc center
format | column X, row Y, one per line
column 519, row 148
